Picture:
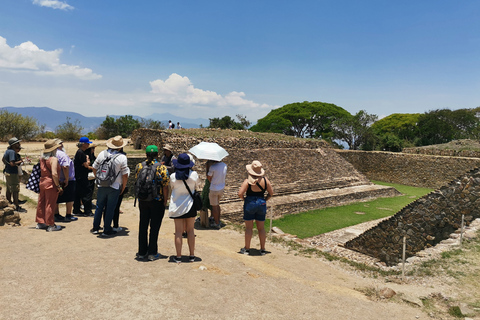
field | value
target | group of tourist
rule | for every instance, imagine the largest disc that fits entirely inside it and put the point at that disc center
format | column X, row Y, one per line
column 170, row 180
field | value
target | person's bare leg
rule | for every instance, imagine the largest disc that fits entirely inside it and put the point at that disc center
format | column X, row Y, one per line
column 190, row 222
column 179, row 225
column 248, row 233
column 216, row 214
column 69, row 206
column 262, row 234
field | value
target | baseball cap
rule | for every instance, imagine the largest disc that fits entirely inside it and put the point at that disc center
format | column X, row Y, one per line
column 151, row 148
column 84, row 140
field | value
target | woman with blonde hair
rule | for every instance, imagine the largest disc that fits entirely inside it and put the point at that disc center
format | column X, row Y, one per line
column 50, row 187
column 252, row 192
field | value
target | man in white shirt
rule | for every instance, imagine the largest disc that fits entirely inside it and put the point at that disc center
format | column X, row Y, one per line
column 107, row 196
column 216, row 175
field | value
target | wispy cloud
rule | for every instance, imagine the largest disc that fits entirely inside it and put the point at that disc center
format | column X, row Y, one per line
column 179, row 90
column 28, row 57
column 54, row 4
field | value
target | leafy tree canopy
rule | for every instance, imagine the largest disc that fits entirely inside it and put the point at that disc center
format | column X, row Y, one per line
column 122, row 126
column 228, row 123
column 356, row 130
column 302, row 119
column 16, row 125
column 69, row 131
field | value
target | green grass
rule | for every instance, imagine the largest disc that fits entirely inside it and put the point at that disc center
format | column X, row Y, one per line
column 312, row 223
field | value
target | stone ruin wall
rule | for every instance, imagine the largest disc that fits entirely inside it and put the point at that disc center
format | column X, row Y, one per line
column 424, row 222
column 409, row 169
column 292, row 166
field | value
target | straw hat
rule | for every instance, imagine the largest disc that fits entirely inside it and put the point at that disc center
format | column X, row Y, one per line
column 168, row 147
column 51, row 145
column 255, row 170
column 116, row 143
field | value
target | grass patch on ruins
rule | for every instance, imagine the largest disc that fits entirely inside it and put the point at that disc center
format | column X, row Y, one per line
column 315, row 222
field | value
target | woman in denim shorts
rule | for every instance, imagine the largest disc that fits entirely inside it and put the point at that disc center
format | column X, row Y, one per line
column 252, row 192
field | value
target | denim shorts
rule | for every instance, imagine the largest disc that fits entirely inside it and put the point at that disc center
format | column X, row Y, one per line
column 254, row 208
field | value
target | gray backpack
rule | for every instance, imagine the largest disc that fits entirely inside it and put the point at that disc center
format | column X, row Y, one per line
column 106, row 174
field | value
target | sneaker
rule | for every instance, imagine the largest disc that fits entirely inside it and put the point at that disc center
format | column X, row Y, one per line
column 22, row 201
column 60, row 218
column 42, row 226
column 177, row 259
column 118, row 229
column 53, row 228
column 263, row 252
column 184, row 235
column 191, row 258
column 245, row 251
column 70, row 217
column 88, row 214
column 153, row 257
column 20, row 209
column 95, row 231
column 139, row 256
column 215, row 226
column 109, row 233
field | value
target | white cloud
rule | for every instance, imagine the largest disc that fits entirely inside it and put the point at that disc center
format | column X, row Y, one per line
column 54, row 4
column 179, row 90
column 28, row 57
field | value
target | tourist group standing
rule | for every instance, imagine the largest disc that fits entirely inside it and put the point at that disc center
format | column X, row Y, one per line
column 169, row 181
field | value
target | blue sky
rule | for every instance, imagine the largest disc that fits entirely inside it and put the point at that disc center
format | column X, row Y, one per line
column 205, row 59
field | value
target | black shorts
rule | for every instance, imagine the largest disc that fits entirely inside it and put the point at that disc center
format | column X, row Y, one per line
column 68, row 194
column 190, row 214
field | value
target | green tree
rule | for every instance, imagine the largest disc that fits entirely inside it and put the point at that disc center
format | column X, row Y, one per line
column 69, row 131
column 396, row 131
column 356, row 130
column 225, row 123
column 152, row 124
column 16, row 125
column 302, row 119
column 122, row 126
column 444, row 125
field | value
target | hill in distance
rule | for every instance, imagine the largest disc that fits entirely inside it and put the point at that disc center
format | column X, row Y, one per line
column 52, row 118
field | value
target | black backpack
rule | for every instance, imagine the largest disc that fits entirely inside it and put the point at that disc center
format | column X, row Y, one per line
column 106, row 175
column 147, row 184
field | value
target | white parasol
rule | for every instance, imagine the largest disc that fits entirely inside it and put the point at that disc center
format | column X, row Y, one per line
column 208, row 151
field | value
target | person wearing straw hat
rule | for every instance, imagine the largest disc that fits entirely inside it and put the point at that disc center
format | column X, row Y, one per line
column 50, row 187
column 168, row 157
column 252, row 192
column 12, row 161
column 107, row 196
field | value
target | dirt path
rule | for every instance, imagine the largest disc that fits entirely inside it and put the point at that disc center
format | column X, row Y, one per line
column 73, row 274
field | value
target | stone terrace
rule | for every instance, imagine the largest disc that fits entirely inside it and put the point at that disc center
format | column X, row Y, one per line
column 305, row 174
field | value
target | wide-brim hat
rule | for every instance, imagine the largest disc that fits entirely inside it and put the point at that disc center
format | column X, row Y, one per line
column 50, row 145
column 13, row 141
column 183, row 162
column 168, row 147
column 255, row 170
column 116, row 143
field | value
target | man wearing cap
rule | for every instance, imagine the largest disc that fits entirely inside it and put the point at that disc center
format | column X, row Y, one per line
column 12, row 160
column 168, row 158
column 67, row 181
column 152, row 210
column 107, row 196
column 82, row 164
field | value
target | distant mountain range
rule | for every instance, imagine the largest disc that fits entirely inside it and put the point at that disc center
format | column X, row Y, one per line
column 52, row 118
